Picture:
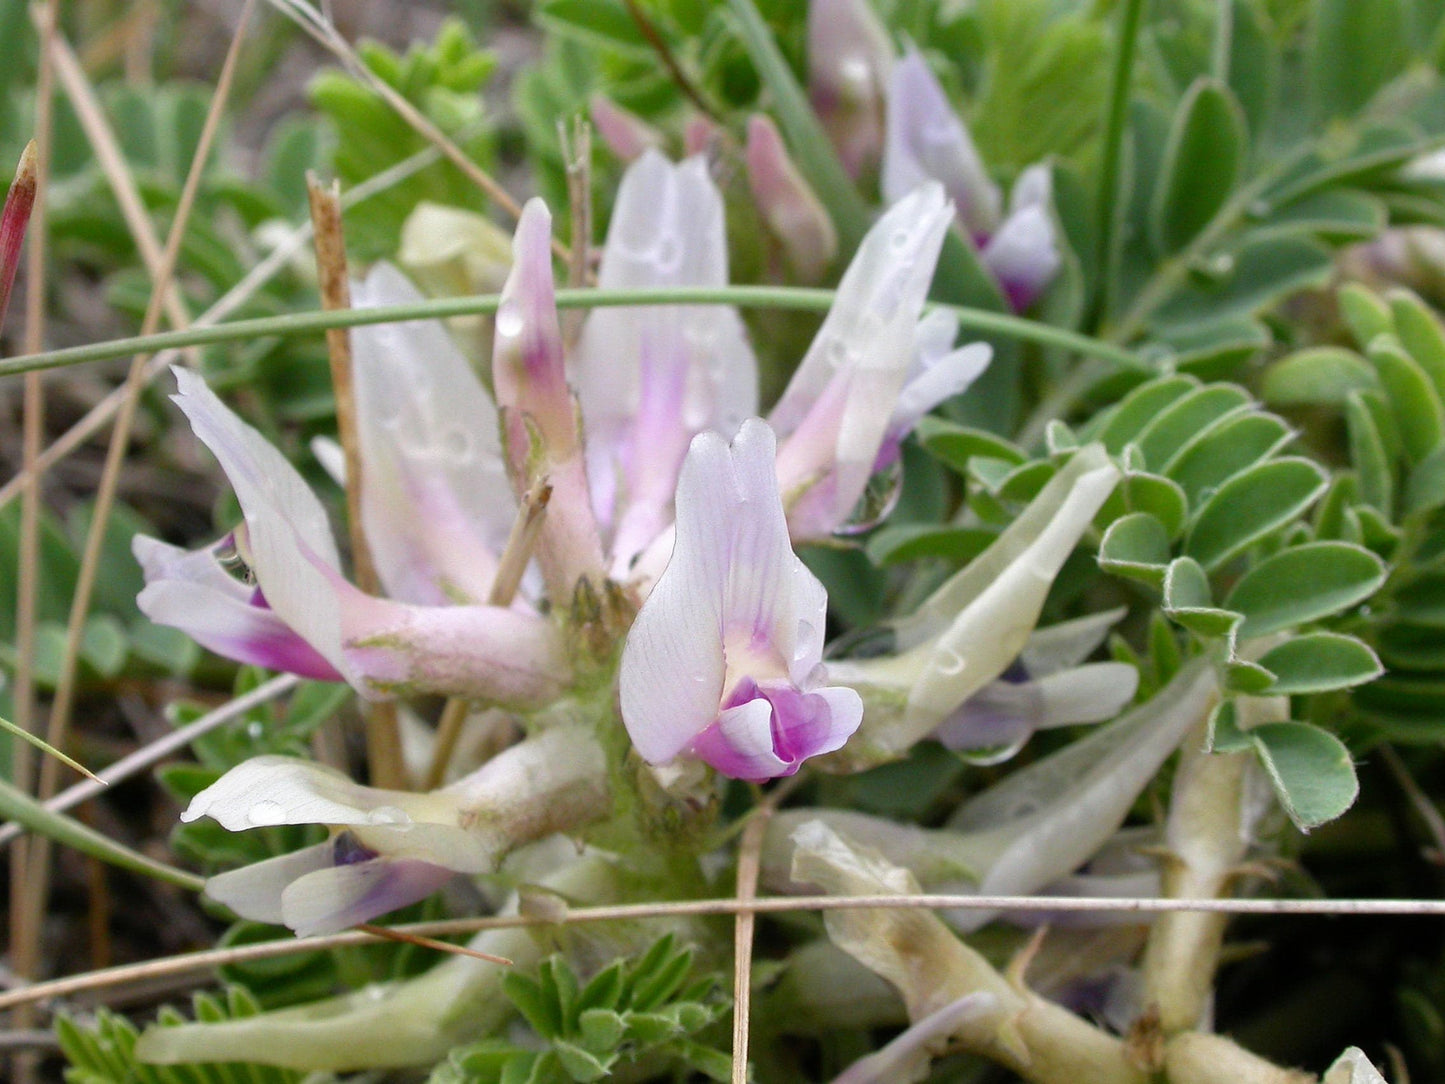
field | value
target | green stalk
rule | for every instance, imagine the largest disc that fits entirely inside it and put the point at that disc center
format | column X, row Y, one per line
column 1109, row 197
column 18, row 806
column 777, row 297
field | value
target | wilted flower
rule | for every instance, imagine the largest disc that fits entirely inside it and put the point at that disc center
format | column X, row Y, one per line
column 926, row 140
column 392, row 848
column 724, row 661
column 788, row 203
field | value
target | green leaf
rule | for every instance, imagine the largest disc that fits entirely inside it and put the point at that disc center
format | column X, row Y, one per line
column 1365, row 313
column 1188, row 600
column 1356, row 47
column 1416, row 404
column 1224, row 450
column 1162, row 439
column 1224, row 735
column 1420, row 332
column 1215, row 349
column 1247, row 678
column 1135, row 411
column 1253, row 65
column 1425, row 486
column 1310, row 768
column 598, row 23
column 1158, row 496
column 1369, row 453
column 1336, row 216
column 533, row 1002
column 1249, row 281
column 1136, row 546
column 912, row 541
column 1317, row 375
column 954, row 445
column 1250, row 505
column 1303, row 584
column 582, row 1064
column 1319, row 662
column 1202, row 164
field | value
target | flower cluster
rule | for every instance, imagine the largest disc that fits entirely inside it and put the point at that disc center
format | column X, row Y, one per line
column 667, row 491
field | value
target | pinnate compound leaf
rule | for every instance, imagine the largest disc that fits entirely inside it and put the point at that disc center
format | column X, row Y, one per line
column 1421, row 334
column 1356, row 47
column 954, row 445
column 1202, row 164
column 1369, row 453
column 1304, row 583
column 1250, row 505
column 1319, row 662
column 1224, row 450
column 1310, row 768
column 1136, row 410
column 1364, row 312
column 1188, row 601
column 1163, row 437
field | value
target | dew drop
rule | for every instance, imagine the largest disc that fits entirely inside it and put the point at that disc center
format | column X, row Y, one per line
column 950, row 662
column 837, row 353
column 669, row 254
column 456, row 444
column 899, row 240
column 255, row 729
column 387, row 814
column 991, row 755
column 879, row 498
column 509, row 320
column 266, row 813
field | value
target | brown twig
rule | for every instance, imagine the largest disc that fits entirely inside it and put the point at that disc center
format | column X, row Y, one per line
column 750, row 851
column 669, row 60
column 206, row 960
column 388, row 933
column 36, row 886
column 516, row 554
column 383, row 735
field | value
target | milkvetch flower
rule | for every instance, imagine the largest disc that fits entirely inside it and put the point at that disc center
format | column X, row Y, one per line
column 650, row 378
column 392, row 848
column 724, row 660
column 927, row 140
column 791, row 208
column 378, row 645
column 872, row 370
column 969, row 631
column 849, row 58
column 1046, row 687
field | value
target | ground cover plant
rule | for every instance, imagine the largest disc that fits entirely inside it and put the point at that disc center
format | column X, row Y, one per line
column 862, row 540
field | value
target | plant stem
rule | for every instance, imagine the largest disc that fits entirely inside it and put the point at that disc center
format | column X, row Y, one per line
column 801, row 299
column 1108, row 196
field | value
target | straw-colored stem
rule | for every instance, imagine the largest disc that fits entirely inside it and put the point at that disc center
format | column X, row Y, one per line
column 37, row 880
column 24, row 935
column 750, row 850
column 384, row 758
column 521, row 541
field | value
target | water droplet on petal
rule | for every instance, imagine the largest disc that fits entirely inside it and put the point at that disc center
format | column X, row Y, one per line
column 387, row 814
column 879, row 498
column 255, row 729
column 991, row 755
column 509, row 320
column 950, row 662
column 456, row 444
column 265, row 813
column 669, row 254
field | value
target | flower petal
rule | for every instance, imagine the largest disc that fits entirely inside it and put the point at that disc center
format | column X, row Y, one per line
column 836, row 410
column 694, row 371
column 337, row 897
column 271, row 790
column 436, row 502
column 292, row 551
column 789, row 205
column 1068, row 643
column 1086, row 694
column 626, row 134
column 254, row 891
column 908, row 1055
column 1024, row 255
column 925, row 140
column 191, row 591
column 849, row 58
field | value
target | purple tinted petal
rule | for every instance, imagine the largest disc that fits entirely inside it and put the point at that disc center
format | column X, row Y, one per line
column 768, row 731
column 337, row 897
column 788, row 203
column 192, row 591
column 849, row 58
column 1024, row 255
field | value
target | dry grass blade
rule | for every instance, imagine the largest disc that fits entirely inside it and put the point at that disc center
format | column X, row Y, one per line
column 383, row 735
column 279, row 258
column 206, row 960
column 386, row 933
column 36, row 887
column 24, row 940
column 750, row 851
